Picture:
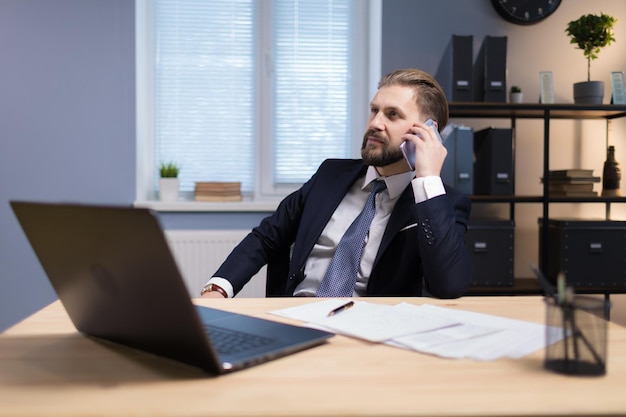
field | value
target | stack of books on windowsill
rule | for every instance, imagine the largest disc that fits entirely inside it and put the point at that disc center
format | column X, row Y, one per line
column 572, row 183
column 218, row 191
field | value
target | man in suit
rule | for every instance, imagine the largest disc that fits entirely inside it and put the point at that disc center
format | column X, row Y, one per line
column 415, row 244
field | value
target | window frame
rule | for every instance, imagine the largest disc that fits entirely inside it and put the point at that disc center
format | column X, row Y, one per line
column 365, row 55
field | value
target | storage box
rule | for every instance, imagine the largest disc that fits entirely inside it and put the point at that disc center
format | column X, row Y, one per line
column 591, row 253
column 491, row 245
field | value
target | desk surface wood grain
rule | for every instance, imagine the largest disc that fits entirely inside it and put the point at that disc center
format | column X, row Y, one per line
column 47, row 368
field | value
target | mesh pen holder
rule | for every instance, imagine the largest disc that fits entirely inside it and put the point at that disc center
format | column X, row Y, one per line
column 576, row 335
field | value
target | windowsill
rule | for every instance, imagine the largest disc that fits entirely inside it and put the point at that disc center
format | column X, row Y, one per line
column 246, row 205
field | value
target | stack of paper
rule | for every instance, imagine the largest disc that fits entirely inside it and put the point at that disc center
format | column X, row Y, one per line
column 426, row 328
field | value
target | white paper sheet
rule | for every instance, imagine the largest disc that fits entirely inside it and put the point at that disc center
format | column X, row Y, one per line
column 426, row 328
column 368, row 321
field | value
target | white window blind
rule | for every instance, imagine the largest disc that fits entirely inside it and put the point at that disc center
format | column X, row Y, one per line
column 204, row 89
column 210, row 89
column 312, row 63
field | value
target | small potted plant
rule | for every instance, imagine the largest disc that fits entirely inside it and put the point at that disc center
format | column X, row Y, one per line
column 169, row 182
column 590, row 33
column 515, row 94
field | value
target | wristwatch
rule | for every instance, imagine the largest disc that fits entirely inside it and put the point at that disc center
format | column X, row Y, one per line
column 212, row 287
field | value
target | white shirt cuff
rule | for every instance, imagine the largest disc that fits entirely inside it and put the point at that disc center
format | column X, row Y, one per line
column 224, row 284
column 428, row 187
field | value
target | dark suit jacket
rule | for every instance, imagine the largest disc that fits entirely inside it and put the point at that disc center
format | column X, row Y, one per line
column 423, row 244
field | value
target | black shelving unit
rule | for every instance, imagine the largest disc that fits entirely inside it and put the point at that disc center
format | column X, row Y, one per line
column 546, row 112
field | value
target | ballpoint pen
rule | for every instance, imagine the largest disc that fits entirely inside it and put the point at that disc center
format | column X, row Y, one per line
column 341, row 308
column 570, row 317
column 566, row 313
column 548, row 289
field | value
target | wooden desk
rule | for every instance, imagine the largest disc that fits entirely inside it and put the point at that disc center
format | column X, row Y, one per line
column 46, row 368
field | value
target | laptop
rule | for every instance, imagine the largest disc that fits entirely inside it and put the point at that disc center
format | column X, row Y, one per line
column 114, row 273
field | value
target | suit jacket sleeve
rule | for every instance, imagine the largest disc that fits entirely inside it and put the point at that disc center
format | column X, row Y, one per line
column 269, row 242
column 424, row 248
column 284, row 239
column 446, row 261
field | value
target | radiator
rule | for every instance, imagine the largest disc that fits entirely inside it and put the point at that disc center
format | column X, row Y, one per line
column 199, row 253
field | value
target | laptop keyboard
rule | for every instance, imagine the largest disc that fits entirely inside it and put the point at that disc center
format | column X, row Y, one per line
column 227, row 341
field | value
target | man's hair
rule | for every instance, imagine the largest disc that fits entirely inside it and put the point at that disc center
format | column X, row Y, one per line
column 429, row 96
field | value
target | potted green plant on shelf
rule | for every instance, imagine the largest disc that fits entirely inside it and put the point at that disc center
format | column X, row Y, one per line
column 169, row 182
column 515, row 94
column 590, row 33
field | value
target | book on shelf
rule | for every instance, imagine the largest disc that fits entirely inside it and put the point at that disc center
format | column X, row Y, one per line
column 218, row 197
column 573, row 180
column 573, row 172
column 566, row 193
column 566, row 186
column 218, row 186
column 217, row 191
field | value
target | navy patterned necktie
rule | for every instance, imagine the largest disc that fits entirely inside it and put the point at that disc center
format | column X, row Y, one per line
column 341, row 273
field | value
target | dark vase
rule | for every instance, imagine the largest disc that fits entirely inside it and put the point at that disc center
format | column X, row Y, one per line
column 611, row 175
column 589, row 92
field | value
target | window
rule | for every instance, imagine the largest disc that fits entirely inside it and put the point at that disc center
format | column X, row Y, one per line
column 256, row 91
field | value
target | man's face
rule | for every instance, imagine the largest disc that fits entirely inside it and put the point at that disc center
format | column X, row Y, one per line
column 392, row 112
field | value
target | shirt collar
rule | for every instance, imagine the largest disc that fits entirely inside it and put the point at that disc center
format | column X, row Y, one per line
column 395, row 183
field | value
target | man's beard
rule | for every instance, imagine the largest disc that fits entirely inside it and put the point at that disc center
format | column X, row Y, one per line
column 377, row 156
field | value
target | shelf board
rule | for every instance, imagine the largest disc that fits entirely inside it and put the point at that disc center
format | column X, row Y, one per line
column 599, row 199
column 539, row 199
column 506, row 198
column 537, row 111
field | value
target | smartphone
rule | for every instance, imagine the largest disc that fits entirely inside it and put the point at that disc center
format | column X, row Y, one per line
column 430, row 122
column 408, row 150
column 408, row 147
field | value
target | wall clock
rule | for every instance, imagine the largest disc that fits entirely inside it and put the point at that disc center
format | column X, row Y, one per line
column 525, row 12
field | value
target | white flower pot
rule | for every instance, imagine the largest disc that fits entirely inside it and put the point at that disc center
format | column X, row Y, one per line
column 516, row 97
column 168, row 189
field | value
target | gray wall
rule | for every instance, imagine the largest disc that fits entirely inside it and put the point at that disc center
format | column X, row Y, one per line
column 67, row 110
column 67, row 122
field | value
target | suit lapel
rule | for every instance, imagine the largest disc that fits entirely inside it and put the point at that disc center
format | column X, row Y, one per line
column 325, row 197
column 328, row 194
column 401, row 217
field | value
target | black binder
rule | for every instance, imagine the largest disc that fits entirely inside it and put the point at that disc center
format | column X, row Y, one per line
column 493, row 162
column 490, row 70
column 458, row 168
column 455, row 69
